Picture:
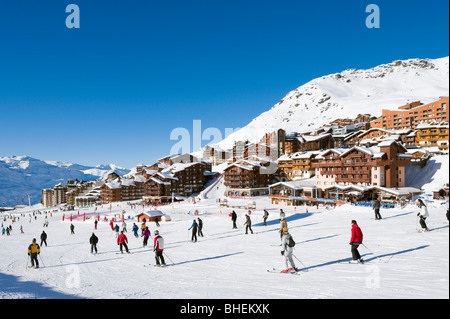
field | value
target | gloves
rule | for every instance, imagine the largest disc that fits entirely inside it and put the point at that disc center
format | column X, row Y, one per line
column 282, row 252
column 29, row 254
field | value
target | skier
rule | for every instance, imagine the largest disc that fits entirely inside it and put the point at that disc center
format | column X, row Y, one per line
column 117, row 229
column 355, row 241
column 124, row 226
column 33, row 251
column 72, row 228
column 234, row 218
column 376, row 208
column 135, row 230
column 283, row 223
column 423, row 214
column 146, row 235
column 95, row 224
column 111, row 224
column 194, row 227
column 93, row 240
column 287, row 251
column 248, row 224
column 44, row 238
column 122, row 241
column 158, row 248
column 265, row 216
column 200, row 227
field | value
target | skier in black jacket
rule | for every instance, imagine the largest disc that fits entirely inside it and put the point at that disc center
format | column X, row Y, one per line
column 44, row 238
column 234, row 218
column 93, row 241
column 194, row 227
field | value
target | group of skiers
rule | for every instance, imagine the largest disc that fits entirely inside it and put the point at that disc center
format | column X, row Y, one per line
column 287, row 242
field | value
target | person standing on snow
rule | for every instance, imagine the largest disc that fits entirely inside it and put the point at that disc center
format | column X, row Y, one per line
column 33, row 251
column 194, row 227
column 376, row 208
column 355, row 241
column 122, row 241
column 234, row 218
column 283, row 224
column 135, row 230
column 44, row 238
column 287, row 251
column 265, row 216
column 423, row 214
column 248, row 224
column 200, row 227
column 146, row 235
column 72, row 229
column 158, row 248
column 93, row 240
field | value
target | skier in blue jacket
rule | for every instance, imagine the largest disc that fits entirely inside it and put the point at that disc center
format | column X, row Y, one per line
column 194, row 227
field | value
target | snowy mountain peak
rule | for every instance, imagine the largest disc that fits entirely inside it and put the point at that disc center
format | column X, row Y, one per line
column 349, row 93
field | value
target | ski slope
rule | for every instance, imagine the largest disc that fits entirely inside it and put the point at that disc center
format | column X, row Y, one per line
column 227, row 263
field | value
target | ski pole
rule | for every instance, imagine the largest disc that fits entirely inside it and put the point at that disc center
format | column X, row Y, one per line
column 300, row 262
column 39, row 255
column 169, row 258
column 371, row 252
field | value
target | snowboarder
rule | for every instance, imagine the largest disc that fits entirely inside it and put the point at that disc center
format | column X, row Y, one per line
column 44, row 238
column 158, row 248
column 234, row 218
column 248, row 224
column 72, row 228
column 194, row 228
column 265, row 216
column 33, row 251
column 287, row 251
column 122, row 241
column 423, row 214
column 93, row 240
column 355, row 241
column 376, row 208
column 146, row 235
column 200, row 227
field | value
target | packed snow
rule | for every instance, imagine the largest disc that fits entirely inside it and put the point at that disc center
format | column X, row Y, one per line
column 227, row 263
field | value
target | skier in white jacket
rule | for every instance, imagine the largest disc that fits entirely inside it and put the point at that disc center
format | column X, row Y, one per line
column 423, row 214
column 287, row 251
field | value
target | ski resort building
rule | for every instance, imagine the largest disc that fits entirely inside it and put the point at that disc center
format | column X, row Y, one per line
column 382, row 165
column 297, row 166
column 249, row 177
column 413, row 114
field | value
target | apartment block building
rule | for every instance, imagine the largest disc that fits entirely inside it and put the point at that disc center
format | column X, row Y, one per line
column 382, row 165
column 249, row 177
column 433, row 135
column 413, row 114
column 297, row 166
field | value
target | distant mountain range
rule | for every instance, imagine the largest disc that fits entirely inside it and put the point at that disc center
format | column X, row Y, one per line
column 22, row 175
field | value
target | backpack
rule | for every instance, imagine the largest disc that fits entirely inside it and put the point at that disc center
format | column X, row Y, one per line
column 291, row 242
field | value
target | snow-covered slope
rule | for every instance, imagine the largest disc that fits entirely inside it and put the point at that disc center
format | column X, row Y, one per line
column 349, row 93
column 228, row 264
column 22, row 175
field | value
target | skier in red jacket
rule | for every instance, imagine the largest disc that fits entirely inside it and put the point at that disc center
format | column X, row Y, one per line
column 122, row 240
column 158, row 248
column 355, row 241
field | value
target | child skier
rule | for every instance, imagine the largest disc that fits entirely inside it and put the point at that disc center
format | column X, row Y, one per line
column 146, row 235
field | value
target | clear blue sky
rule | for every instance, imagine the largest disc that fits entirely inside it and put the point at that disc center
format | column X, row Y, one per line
column 113, row 90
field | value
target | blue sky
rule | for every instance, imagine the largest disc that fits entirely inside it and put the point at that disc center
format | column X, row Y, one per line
column 114, row 89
